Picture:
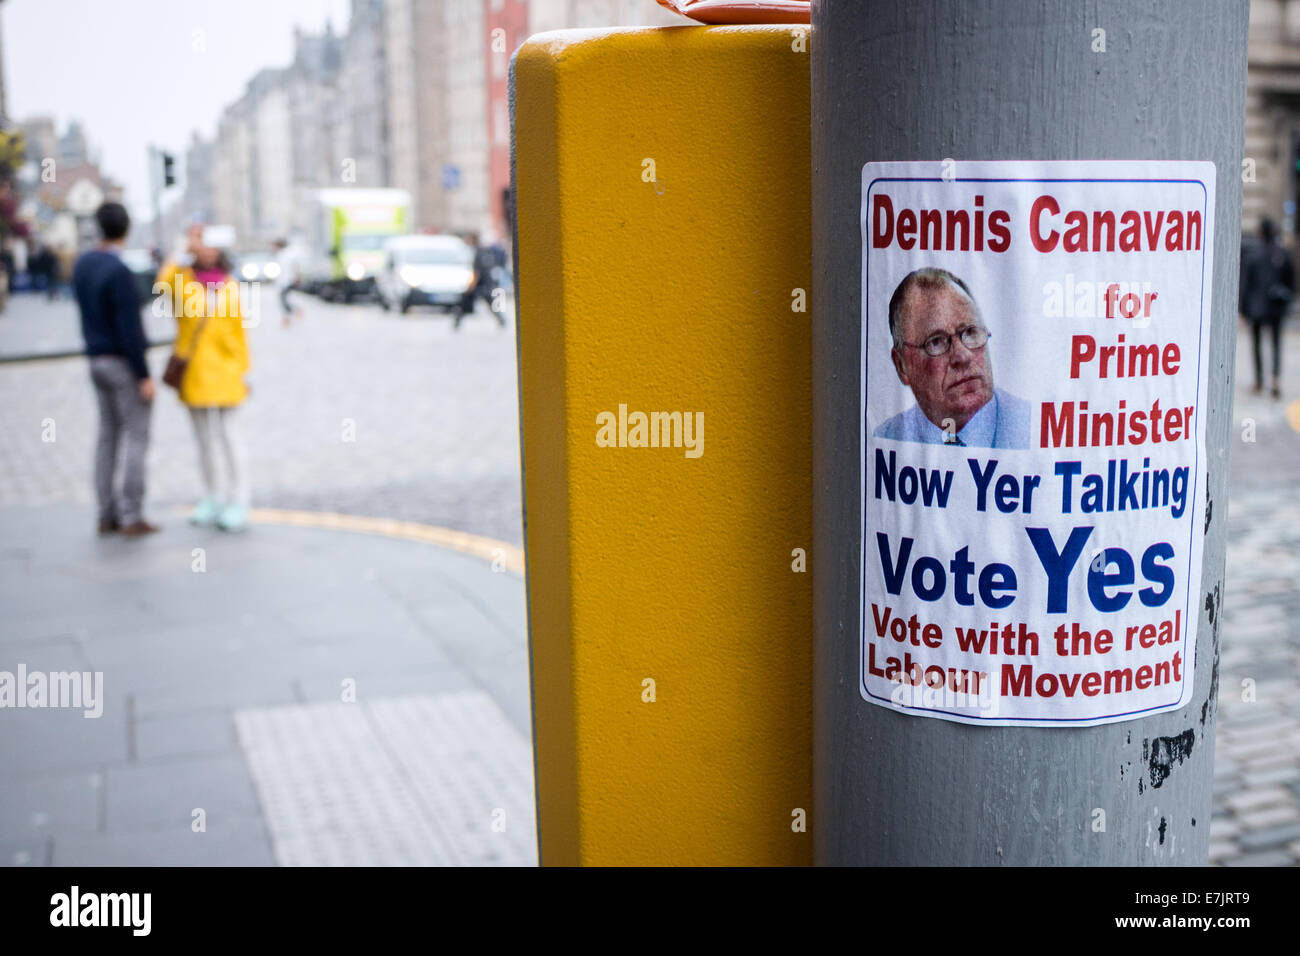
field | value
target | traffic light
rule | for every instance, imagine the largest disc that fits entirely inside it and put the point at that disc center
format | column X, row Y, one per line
column 169, row 170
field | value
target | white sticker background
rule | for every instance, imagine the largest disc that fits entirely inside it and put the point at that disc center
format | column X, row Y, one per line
column 1035, row 302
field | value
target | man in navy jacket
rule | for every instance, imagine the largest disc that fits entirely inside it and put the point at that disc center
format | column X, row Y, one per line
column 115, row 342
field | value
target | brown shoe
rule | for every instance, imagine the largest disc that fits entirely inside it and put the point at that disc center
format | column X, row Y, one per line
column 110, row 526
column 139, row 529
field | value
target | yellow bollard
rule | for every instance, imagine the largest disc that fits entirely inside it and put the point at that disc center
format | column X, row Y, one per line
column 663, row 262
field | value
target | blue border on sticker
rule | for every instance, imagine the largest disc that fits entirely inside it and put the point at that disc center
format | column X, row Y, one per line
column 862, row 442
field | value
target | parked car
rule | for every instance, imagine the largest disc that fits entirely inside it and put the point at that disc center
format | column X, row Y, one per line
column 425, row 270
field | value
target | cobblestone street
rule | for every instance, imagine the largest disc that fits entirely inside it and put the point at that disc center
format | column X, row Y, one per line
column 1257, row 752
column 352, row 410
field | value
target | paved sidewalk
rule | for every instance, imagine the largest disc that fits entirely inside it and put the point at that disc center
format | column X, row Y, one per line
column 289, row 695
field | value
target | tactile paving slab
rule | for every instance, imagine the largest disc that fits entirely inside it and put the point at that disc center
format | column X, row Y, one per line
column 429, row 780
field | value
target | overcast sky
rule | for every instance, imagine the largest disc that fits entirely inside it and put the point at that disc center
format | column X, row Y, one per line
column 137, row 72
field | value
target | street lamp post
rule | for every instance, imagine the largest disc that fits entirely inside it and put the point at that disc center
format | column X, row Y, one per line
column 984, row 80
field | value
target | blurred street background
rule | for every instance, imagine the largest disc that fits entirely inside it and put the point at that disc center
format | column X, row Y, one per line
column 355, row 410
column 347, row 682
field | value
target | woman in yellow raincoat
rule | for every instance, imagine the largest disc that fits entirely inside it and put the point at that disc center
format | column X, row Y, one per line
column 210, row 334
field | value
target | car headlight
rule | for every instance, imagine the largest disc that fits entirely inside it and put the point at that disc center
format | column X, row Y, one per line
column 249, row 271
column 272, row 270
column 408, row 275
column 467, row 278
column 356, row 271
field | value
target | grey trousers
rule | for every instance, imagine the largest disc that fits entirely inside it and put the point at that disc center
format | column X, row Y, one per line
column 123, row 436
column 217, row 432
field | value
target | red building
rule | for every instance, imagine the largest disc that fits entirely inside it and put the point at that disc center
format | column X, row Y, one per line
column 506, row 26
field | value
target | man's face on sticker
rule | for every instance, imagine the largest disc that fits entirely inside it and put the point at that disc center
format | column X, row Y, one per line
column 953, row 386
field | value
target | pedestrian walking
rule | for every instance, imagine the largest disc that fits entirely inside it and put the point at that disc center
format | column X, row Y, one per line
column 1266, row 289
column 49, row 271
column 483, row 284
column 208, row 368
column 287, row 280
column 500, row 268
column 62, row 264
column 40, row 265
column 115, row 342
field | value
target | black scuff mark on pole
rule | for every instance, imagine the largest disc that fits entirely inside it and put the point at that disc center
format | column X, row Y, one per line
column 1163, row 826
column 1213, row 599
column 1146, row 756
column 1209, row 504
column 1163, row 752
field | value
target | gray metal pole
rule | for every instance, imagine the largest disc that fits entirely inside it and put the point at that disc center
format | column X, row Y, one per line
column 1007, row 80
column 155, row 193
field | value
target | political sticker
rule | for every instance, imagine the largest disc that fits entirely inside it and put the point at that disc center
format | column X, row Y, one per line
column 1035, row 348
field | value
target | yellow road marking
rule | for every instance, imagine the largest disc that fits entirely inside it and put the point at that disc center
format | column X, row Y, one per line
column 509, row 556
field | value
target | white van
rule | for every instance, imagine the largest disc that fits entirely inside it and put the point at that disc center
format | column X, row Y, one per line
column 425, row 270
